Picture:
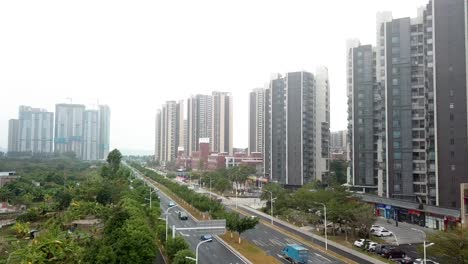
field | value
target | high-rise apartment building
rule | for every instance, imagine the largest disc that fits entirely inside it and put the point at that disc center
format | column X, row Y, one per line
column 13, row 133
column 221, row 123
column 339, row 140
column 297, row 128
column 90, row 135
column 103, row 131
column 69, row 128
column 35, row 130
column 409, row 139
column 199, row 120
column 84, row 132
column 256, row 120
column 169, row 133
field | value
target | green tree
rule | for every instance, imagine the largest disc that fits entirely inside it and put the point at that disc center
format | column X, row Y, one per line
column 114, row 159
column 245, row 224
column 338, row 172
column 450, row 246
column 179, row 257
column 175, row 245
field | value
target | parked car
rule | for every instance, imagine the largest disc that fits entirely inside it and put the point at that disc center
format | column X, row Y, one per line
column 361, row 243
column 375, row 228
column 371, row 246
column 183, row 215
column 206, row 237
column 381, row 248
column 394, row 253
column 421, row 261
column 382, row 233
column 171, row 204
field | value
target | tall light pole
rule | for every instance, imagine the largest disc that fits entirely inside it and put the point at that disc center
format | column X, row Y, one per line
column 196, row 250
column 151, row 191
column 167, row 214
column 424, row 242
column 271, row 204
column 325, row 214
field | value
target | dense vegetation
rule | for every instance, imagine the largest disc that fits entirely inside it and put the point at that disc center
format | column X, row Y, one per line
column 124, row 228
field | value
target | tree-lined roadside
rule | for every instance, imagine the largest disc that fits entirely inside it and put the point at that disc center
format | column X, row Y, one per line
column 234, row 222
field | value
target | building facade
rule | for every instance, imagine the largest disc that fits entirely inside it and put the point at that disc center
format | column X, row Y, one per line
column 256, row 120
column 104, row 116
column 13, row 132
column 418, row 126
column 199, row 120
column 169, row 133
column 298, row 128
column 90, row 135
column 35, row 130
column 221, row 126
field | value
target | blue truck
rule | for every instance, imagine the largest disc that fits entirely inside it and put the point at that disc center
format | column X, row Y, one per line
column 295, row 254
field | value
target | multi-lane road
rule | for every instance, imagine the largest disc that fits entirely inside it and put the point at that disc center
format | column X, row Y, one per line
column 214, row 252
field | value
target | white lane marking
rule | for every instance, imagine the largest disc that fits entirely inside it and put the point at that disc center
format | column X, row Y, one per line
column 276, row 242
column 318, row 255
column 292, row 241
column 185, row 235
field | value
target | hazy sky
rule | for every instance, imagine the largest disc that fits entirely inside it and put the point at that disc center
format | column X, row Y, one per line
column 134, row 55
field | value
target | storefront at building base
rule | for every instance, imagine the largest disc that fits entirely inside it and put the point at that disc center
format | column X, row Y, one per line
column 418, row 214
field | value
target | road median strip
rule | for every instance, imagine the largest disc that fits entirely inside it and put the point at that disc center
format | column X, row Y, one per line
column 245, row 251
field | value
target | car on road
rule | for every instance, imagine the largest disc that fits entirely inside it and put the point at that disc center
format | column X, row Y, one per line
column 382, row 248
column 183, row 215
column 295, row 253
column 383, row 233
column 206, row 237
column 171, row 204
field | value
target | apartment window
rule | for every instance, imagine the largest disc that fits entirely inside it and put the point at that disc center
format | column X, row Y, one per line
column 397, row 155
column 395, row 60
column 452, row 167
column 395, row 39
column 451, row 92
column 451, row 117
column 452, row 154
column 395, row 81
column 396, row 134
column 452, row 105
column 395, row 70
column 452, row 141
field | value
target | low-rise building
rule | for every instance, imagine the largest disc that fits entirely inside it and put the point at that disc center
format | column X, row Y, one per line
column 7, row 177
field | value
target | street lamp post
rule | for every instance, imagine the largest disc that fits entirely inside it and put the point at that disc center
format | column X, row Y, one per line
column 196, row 250
column 271, row 204
column 424, row 242
column 151, row 191
column 167, row 214
column 325, row 215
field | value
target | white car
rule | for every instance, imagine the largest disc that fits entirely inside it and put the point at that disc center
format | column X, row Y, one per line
column 383, row 233
column 371, row 246
column 375, row 228
column 361, row 242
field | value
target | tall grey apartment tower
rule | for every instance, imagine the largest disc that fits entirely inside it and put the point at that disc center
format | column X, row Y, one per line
column 210, row 116
column 69, row 128
column 90, row 135
column 13, row 135
column 32, row 131
column 199, row 120
column 297, row 127
column 256, row 119
column 84, row 132
column 409, row 139
column 103, row 131
column 169, row 134
column 221, row 123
